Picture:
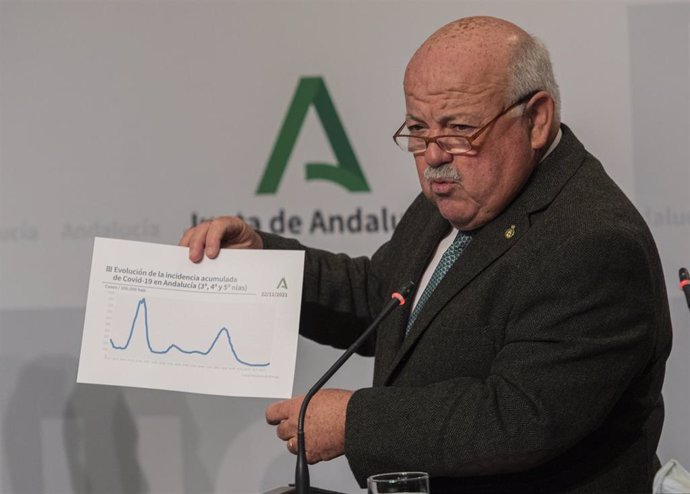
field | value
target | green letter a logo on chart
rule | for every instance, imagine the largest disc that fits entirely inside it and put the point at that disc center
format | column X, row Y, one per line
column 346, row 173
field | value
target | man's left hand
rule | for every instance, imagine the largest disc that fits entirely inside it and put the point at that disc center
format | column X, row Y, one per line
column 324, row 424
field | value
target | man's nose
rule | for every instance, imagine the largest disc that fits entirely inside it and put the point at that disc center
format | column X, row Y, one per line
column 435, row 156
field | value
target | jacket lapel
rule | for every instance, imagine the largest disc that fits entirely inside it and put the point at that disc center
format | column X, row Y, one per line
column 412, row 265
column 488, row 244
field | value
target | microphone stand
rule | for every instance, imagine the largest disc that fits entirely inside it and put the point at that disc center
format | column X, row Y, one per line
column 302, row 468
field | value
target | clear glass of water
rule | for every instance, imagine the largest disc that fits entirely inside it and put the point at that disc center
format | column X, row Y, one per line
column 399, row 482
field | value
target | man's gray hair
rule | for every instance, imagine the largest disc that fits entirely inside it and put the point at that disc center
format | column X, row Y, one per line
column 531, row 70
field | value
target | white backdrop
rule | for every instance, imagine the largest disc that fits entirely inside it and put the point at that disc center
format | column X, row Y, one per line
column 128, row 119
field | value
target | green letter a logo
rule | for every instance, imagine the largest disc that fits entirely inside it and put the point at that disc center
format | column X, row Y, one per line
column 347, row 173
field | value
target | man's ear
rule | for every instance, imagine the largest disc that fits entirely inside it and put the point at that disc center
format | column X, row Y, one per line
column 540, row 111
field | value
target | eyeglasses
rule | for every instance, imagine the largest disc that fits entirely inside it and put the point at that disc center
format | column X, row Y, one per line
column 453, row 144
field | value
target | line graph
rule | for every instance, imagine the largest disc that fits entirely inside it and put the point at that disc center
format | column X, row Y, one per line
column 226, row 326
column 223, row 331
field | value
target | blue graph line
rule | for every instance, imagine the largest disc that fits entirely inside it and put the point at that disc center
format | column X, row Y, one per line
column 142, row 303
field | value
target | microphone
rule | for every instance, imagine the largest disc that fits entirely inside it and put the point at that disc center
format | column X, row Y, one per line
column 685, row 283
column 302, row 468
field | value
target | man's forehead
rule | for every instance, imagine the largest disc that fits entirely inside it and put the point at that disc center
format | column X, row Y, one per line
column 436, row 77
column 452, row 90
column 452, row 103
column 461, row 65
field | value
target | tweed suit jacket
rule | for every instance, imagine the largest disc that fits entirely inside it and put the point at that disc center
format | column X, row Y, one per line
column 537, row 364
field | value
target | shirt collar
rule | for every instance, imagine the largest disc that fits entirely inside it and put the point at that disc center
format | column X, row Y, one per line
column 553, row 145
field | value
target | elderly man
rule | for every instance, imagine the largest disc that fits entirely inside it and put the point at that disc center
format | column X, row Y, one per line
column 533, row 357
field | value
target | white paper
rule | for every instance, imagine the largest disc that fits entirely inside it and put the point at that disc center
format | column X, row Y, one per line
column 226, row 326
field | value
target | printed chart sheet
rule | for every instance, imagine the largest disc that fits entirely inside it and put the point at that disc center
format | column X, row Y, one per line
column 226, row 326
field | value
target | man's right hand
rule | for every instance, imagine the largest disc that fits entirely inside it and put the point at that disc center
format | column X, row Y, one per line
column 222, row 232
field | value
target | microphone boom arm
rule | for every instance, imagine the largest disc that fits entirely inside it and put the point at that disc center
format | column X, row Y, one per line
column 302, row 468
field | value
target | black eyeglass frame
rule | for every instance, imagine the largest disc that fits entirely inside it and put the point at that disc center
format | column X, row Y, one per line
column 470, row 138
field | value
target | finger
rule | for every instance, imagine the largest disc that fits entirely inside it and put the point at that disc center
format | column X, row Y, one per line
column 186, row 236
column 286, row 430
column 292, row 445
column 314, row 456
column 197, row 242
column 220, row 230
column 277, row 412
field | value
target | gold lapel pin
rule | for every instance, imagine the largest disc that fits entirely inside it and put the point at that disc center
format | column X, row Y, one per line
column 510, row 232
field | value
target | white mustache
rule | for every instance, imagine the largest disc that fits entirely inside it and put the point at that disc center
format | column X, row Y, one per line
column 443, row 173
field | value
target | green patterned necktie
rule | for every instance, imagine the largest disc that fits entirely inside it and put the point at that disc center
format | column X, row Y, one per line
column 462, row 240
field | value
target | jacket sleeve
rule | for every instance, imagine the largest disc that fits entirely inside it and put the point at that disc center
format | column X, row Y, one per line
column 341, row 294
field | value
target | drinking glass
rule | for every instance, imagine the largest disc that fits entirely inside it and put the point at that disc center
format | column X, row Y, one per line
column 399, row 482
